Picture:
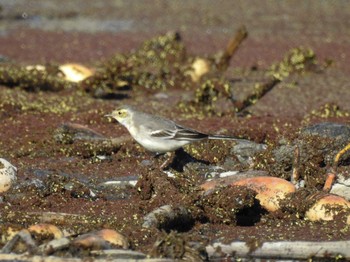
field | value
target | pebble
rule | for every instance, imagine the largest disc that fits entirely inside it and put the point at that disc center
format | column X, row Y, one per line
column 245, row 150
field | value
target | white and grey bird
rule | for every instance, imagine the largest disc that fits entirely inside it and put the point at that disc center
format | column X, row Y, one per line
column 158, row 134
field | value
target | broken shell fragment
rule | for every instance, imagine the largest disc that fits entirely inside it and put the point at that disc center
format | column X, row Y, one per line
column 228, row 178
column 113, row 237
column 102, row 239
column 9, row 233
column 75, row 72
column 19, row 243
column 91, row 241
column 270, row 190
column 46, row 231
column 8, row 175
column 199, row 68
column 327, row 207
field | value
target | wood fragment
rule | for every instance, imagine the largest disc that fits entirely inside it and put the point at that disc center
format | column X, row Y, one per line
column 284, row 249
column 296, row 165
column 339, row 155
column 119, row 254
column 224, row 60
column 329, row 181
column 26, row 258
column 259, row 92
column 57, row 217
column 332, row 174
column 53, row 246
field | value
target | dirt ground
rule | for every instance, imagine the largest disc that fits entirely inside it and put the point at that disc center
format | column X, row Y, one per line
column 55, row 132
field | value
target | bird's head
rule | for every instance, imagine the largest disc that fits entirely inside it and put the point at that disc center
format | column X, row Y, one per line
column 121, row 114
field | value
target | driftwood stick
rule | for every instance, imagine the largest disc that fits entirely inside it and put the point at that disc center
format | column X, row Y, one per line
column 224, row 60
column 259, row 92
column 285, row 249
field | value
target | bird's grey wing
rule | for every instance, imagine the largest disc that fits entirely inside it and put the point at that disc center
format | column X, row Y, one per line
column 163, row 133
column 179, row 133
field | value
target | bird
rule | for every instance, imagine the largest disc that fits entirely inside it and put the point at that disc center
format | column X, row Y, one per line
column 157, row 134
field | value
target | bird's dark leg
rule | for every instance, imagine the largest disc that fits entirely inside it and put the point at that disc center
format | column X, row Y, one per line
column 168, row 161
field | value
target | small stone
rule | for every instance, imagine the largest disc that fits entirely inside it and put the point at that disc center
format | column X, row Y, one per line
column 245, row 150
column 146, row 162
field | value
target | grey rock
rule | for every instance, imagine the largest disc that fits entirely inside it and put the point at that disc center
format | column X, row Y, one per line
column 245, row 150
column 325, row 139
column 69, row 132
column 329, row 130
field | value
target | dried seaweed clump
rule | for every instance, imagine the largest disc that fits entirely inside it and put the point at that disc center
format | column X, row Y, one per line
column 328, row 110
column 156, row 65
column 32, row 79
column 299, row 60
column 229, row 204
column 212, row 97
column 178, row 246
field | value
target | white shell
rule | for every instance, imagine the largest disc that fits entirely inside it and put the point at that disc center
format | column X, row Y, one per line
column 8, row 175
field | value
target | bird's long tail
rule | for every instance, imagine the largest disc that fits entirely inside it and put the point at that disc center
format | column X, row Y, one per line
column 223, row 137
